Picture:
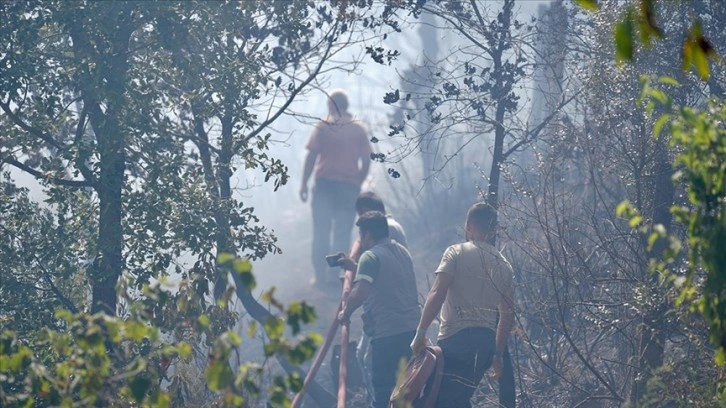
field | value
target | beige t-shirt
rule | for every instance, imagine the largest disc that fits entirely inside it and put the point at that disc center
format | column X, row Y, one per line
column 481, row 275
column 340, row 145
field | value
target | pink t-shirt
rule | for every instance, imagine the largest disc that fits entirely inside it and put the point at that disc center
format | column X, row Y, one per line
column 340, row 145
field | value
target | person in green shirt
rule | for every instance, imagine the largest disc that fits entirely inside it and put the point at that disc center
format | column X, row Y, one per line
column 385, row 286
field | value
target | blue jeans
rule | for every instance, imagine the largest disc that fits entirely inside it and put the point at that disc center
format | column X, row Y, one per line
column 467, row 355
column 386, row 356
column 333, row 204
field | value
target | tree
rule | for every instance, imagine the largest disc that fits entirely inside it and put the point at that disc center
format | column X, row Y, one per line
column 600, row 313
column 691, row 131
column 121, row 100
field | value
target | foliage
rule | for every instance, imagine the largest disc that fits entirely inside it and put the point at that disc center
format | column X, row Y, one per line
column 699, row 137
column 41, row 271
column 136, row 118
column 639, row 25
column 99, row 359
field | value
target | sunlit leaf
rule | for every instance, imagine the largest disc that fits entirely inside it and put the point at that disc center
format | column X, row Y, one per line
column 668, row 80
column 720, row 357
column 218, row 375
column 242, row 265
column 225, row 257
column 136, row 330
column 700, row 62
column 658, row 126
column 658, row 95
column 635, row 221
column 274, row 327
column 624, row 209
column 185, row 350
column 589, row 5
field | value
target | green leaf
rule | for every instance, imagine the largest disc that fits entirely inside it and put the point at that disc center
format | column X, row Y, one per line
column 720, row 357
column 624, row 209
column 624, row 39
column 225, row 257
column 247, row 279
column 218, row 375
column 252, row 329
column 658, row 126
column 700, row 61
column 274, row 327
column 635, row 221
column 589, row 5
column 204, row 320
column 242, row 265
column 185, row 350
column 668, row 80
column 658, row 95
column 136, row 331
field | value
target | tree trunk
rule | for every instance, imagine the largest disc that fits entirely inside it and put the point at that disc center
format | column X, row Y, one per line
column 106, row 84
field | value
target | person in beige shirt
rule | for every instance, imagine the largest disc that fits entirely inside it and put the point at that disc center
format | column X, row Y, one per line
column 339, row 157
column 474, row 284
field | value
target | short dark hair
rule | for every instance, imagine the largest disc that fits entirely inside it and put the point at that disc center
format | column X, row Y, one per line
column 374, row 222
column 369, row 201
column 482, row 216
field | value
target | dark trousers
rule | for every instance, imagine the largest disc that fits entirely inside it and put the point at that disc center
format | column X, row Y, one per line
column 387, row 354
column 333, row 205
column 467, row 355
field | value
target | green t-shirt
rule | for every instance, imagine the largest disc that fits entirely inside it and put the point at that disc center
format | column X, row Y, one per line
column 368, row 267
column 392, row 305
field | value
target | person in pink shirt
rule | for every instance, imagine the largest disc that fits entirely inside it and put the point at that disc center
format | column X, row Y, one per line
column 339, row 158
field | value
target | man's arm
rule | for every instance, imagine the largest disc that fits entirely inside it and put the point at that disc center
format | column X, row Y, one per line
column 310, row 159
column 357, row 296
column 356, row 250
column 504, row 328
column 506, row 321
column 432, row 307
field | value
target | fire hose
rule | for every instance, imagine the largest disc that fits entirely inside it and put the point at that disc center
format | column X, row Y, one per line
column 320, row 355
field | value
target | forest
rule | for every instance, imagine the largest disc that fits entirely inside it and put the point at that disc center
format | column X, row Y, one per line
column 140, row 267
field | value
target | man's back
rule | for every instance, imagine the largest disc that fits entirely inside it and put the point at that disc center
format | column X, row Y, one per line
column 340, row 144
column 480, row 276
column 392, row 307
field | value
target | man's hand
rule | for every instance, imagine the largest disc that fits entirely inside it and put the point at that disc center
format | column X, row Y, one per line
column 347, row 263
column 419, row 341
column 497, row 366
column 343, row 317
column 304, row 193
